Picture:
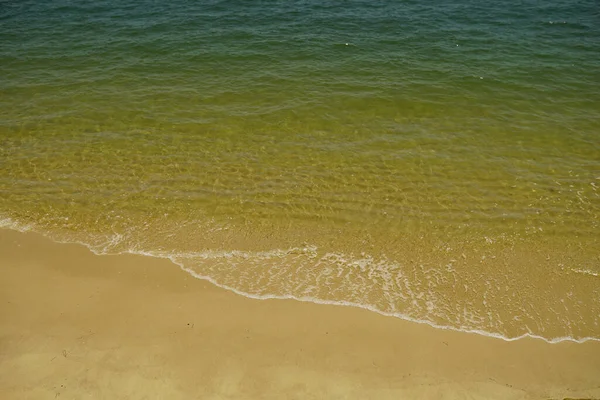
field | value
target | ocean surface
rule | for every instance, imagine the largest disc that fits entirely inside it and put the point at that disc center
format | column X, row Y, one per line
column 437, row 161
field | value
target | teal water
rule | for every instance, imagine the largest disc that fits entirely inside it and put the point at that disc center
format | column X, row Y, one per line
column 435, row 161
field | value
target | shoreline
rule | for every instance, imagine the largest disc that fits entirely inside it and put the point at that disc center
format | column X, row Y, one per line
column 374, row 310
column 130, row 326
column 12, row 226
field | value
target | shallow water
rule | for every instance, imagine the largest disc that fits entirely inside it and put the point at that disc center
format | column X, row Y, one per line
column 435, row 161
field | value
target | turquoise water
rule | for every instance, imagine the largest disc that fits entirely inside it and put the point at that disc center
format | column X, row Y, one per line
column 435, row 161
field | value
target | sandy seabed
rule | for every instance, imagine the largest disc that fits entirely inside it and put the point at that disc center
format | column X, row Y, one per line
column 74, row 325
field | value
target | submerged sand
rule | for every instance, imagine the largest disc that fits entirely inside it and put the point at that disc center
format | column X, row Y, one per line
column 77, row 325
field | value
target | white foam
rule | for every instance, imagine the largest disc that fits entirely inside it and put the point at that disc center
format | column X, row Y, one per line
column 585, row 271
column 8, row 223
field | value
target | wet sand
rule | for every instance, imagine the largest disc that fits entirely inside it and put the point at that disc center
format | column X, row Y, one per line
column 77, row 325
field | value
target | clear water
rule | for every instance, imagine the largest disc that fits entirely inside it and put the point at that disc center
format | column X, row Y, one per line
column 437, row 161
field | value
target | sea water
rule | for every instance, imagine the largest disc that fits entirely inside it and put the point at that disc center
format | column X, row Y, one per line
column 436, row 161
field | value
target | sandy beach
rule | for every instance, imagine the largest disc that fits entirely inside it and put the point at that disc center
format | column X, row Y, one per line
column 76, row 325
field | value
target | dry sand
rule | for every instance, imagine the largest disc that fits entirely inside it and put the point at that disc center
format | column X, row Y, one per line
column 74, row 325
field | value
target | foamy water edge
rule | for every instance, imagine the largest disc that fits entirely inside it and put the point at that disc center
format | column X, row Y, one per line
column 9, row 224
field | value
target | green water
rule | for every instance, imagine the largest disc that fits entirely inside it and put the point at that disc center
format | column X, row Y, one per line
column 437, row 162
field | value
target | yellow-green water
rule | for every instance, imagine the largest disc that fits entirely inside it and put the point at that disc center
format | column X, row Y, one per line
column 436, row 162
